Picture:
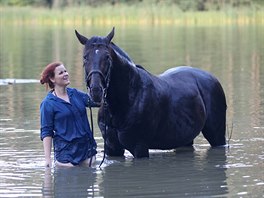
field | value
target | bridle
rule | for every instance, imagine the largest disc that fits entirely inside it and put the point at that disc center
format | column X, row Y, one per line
column 87, row 78
column 106, row 79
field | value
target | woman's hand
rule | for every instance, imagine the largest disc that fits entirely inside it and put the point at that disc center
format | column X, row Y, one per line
column 91, row 103
column 48, row 163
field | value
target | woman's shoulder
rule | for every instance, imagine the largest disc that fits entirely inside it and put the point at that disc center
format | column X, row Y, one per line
column 49, row 96
column 72, row 90
column 48, row 99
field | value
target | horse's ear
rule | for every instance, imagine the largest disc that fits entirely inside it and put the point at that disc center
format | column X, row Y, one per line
column 110, row 36
column 81, row 38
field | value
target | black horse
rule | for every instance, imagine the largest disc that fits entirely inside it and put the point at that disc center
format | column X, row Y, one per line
column 145, row 111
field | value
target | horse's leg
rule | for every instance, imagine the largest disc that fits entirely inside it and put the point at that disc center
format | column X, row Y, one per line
column 215, row 125
column 138, row 150
column 137, row 147
column 189, row 144
column 141, row 150
column 214, row 131
column 112, row 145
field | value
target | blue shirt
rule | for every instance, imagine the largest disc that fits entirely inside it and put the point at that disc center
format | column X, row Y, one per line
column 68, row 124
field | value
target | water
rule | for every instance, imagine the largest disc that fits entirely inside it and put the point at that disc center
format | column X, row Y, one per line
column 235, row 54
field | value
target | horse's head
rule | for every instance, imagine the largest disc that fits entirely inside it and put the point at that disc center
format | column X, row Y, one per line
column 97, row 63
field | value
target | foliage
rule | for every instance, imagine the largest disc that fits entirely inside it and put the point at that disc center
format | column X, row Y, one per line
column 131, row 12
column 184, row 5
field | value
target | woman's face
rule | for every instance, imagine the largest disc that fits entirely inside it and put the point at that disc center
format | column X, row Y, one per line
column 61, row 77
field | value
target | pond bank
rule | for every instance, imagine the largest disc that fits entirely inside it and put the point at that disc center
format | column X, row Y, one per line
column 128, row 15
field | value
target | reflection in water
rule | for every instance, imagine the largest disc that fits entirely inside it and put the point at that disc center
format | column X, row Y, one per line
column 47, row 189
column 165, row 174
column 168, row 175
column 11, row 81
column 69, row 182
column 234, row 54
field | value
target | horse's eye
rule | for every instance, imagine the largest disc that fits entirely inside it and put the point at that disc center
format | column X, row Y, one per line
column 108, row 58
column 85, row 59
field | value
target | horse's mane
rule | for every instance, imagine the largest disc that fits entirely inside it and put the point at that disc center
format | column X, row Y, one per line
column 122, row 54
column 140, row 66
column 126, row 59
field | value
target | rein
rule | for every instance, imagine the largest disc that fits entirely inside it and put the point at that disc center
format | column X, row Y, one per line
column 105, row 109
column 105, row 128
column 92, row 129
column 94, row 72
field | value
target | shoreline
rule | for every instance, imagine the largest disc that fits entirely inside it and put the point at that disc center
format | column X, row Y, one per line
column 128, row 15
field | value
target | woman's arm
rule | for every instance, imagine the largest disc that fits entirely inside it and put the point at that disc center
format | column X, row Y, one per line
column 47, row 143
column 47, row 129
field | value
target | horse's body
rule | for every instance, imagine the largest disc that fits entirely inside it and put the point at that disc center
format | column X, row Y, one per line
column 145, row 111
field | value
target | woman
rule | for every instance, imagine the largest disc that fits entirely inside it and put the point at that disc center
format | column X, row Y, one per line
column 64, row 119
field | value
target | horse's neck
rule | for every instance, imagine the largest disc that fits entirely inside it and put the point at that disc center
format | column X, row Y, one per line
column 124, row 73
column 126, row 82
column 124, row 76
column 123, row 67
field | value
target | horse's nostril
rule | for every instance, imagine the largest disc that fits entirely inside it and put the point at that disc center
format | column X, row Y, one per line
column 96, row 93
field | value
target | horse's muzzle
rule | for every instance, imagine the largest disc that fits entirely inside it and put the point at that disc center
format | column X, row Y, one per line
column 96, row 93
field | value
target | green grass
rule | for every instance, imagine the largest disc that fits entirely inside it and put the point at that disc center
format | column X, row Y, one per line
column 126, row 15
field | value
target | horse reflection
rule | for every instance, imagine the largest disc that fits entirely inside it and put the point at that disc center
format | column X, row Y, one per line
column 186, row 173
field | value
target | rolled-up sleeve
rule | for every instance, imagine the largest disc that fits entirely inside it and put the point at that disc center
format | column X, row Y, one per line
column 46, row 120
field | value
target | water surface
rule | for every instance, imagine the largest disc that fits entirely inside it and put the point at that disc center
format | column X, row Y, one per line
column 234, row 54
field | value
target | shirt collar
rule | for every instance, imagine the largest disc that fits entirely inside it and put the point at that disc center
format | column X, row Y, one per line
column 52, row 97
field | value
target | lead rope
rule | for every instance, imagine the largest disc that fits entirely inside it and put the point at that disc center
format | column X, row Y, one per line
column 91, row 115
column 105, row 108
column 105, row 128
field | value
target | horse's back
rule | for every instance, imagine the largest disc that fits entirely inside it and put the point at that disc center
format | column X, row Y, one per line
column 188, row 77
column 176, row 70
column 185, row 77
column 187, row 74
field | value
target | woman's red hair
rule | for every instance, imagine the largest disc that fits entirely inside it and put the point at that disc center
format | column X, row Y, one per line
column 48, row 73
